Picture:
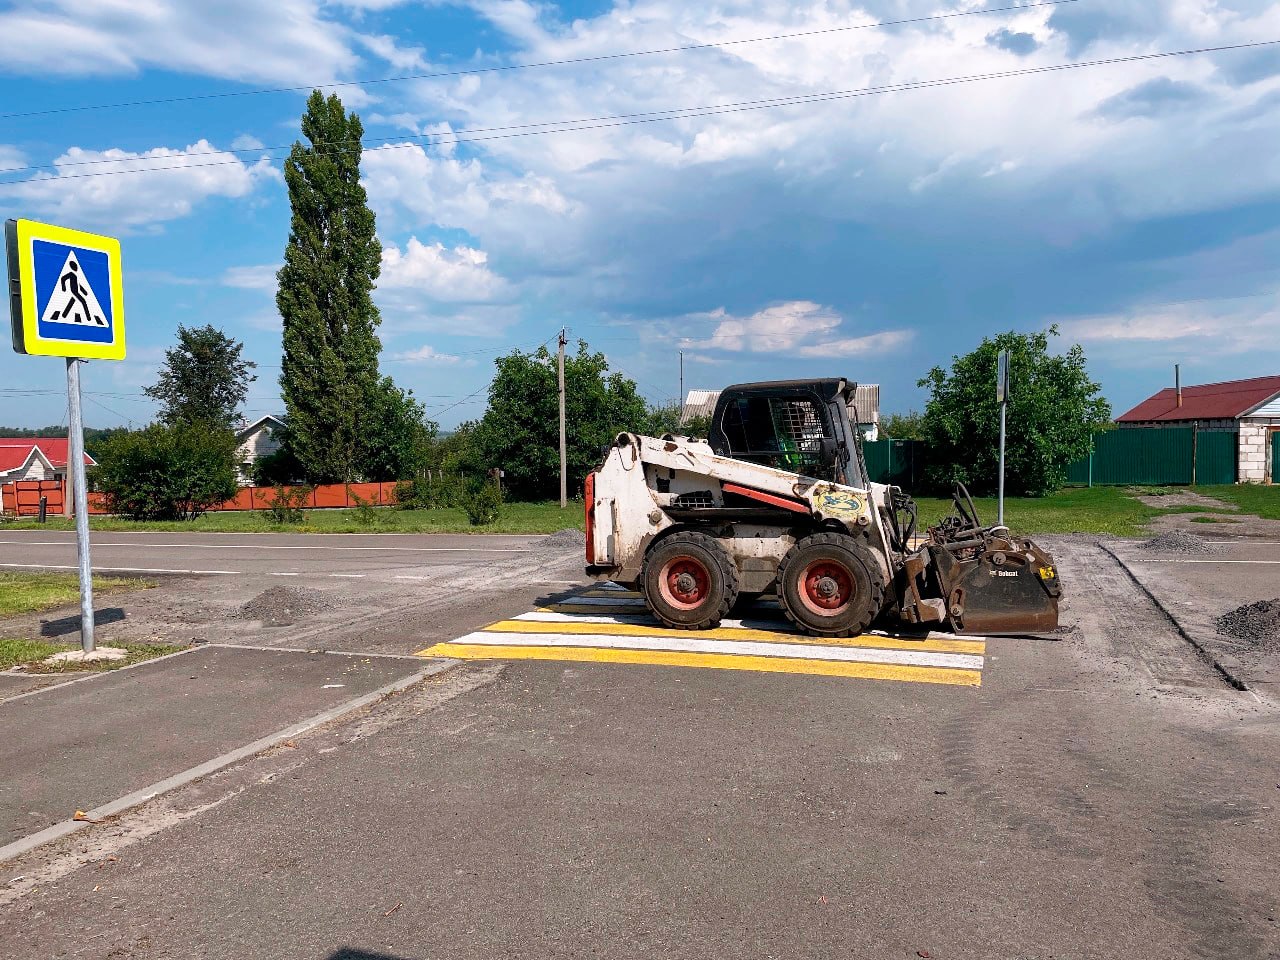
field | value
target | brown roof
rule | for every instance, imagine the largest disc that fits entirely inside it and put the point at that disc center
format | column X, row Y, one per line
column 1210, row 401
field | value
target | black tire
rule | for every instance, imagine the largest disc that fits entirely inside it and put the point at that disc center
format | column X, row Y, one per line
column 849, row 568
column 689, row 581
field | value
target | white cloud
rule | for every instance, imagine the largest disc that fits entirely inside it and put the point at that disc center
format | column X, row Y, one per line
column 247, row 141
column 437, row 188
column 281, row 41
column 11, row 158
column 261, row 277
column 435, row 272
column 427, row 355
column 798, row 328
column 97, row 187
column 1229, row 326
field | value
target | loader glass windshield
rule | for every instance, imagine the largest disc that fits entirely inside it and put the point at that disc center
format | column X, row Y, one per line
column 784, row 433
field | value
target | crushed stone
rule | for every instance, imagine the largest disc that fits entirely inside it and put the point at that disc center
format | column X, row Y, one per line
column 284, row 605
column 1181, row 542
column 1257, row 623
column 562, row 539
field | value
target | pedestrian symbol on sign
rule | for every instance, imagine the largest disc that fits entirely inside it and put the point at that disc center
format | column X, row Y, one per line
column 73, row 299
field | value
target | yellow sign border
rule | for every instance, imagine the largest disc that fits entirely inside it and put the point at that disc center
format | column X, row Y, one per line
column 32, row 343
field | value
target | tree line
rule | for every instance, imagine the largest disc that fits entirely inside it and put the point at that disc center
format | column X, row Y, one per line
column 345, row 421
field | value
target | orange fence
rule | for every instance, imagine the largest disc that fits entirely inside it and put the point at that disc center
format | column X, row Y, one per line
column 23, row 497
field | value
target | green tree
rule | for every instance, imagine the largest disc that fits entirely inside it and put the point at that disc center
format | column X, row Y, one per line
column 398, row 439
column 520, row 430
column 329, row 378
column 203, row 379
column 167, row 472
column 1054, row 408
column 902, row 426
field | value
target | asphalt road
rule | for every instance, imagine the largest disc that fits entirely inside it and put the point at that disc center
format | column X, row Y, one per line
column 1101, row 795
column 266, row 554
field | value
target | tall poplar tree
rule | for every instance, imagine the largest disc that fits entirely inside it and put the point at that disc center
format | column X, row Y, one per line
column 329, row 378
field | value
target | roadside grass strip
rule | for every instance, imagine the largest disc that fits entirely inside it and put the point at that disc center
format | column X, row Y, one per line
column 610, row 624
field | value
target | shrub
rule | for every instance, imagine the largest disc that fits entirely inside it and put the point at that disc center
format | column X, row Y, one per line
column 285, row 505
column 482, row 503
column 275, row 469
column 167, row 473
column 366, row 511
column 423, row 494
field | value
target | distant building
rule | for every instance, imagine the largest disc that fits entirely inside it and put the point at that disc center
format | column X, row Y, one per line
column 35, row 458
column 866, row 404
column 257, row 440
column 1250, row 408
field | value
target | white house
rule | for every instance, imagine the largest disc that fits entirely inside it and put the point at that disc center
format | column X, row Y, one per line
column 257, row 440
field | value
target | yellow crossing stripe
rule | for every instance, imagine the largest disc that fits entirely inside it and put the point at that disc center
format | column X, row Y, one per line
column 936, row 645
column 714, row 661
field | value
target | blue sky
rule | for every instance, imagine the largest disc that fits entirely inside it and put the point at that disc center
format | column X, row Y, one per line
column 1136, row 205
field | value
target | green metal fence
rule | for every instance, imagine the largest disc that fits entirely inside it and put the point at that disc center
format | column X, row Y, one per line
column 1157, row 456
column 900, row 462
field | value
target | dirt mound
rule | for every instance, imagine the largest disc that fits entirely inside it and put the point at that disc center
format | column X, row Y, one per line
column 562, row 538
column 281, row 606
column 1258, row 623
column 1181, row 542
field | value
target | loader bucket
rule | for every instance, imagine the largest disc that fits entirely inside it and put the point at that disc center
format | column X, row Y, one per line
column 1006, row 587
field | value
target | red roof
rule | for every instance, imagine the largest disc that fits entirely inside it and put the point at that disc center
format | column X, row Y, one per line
column 14, row 452
column 1210, row 401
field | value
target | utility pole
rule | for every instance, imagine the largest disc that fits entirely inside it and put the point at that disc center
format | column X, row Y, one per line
column 564, row 490
column 680, row 399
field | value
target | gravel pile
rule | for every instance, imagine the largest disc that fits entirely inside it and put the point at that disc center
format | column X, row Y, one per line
column 562, row 539
column 1181, row 542
column 282, row 606
column 1258, row 623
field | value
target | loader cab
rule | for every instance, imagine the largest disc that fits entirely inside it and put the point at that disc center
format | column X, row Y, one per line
column 801, row 426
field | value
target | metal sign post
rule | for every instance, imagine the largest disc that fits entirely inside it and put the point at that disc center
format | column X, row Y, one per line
column 1002, row 397
column 75, row 463
column 66, row 299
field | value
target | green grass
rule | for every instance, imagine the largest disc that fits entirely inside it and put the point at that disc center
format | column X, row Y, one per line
column 1100, row 510
column 1215, row 520
column 1250, row 498
column 29, row 592
column 29, row 653
column 518, row 518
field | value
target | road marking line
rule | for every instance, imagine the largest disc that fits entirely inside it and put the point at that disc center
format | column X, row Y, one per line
column 806, row 651
column 1183, row 560
column 400, row 577
column 938, row 645
column 65, row 566
column 284, row 574
column 353, row 576
column 270, row 546
column 760, row 664
column 549, row 615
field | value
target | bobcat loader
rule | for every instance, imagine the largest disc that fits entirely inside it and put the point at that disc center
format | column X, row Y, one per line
column 778, row 498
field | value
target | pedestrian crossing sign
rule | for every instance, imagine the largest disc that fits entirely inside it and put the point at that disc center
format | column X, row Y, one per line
column 66, row 296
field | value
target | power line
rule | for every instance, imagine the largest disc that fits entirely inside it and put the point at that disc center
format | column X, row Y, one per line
column 679, row 113
column 529, row 66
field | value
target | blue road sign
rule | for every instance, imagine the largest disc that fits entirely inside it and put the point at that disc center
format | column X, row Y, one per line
column 70, row 302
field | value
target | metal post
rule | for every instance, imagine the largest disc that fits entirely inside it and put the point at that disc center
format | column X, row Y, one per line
column 680, row 399
column 1000, row 507
column 75, row 472
column 564, row 490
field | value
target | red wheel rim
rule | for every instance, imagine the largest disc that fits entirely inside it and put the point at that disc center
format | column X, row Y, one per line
column 826, row 588
column 684, row 583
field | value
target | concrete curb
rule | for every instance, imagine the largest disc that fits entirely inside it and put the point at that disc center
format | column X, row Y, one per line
column 1230, row 668
column 137, row 797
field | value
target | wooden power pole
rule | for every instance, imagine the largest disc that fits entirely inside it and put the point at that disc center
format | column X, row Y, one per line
column 564, row 491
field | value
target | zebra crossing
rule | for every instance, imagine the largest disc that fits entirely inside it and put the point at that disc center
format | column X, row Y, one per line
column 610, row 624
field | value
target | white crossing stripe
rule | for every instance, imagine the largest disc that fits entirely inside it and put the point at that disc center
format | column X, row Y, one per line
column 695, row 644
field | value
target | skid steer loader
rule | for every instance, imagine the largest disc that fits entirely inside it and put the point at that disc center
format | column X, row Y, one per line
column 778, row 498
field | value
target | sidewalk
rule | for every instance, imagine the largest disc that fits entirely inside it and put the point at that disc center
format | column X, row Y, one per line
column 86, row 744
